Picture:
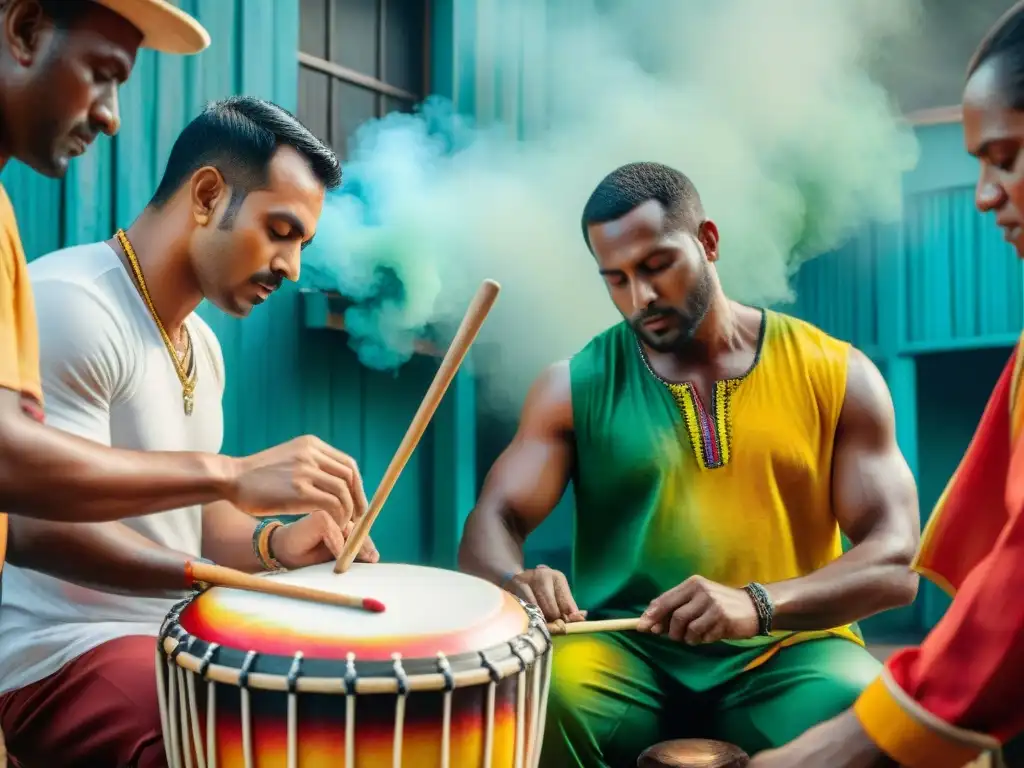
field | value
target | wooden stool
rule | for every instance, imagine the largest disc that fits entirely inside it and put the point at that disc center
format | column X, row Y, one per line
column 693, row 753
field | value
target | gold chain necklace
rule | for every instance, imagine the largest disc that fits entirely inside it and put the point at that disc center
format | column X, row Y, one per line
column 188, row 385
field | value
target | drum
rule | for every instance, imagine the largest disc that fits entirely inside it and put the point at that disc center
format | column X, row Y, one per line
column 455, row 672
column 693, row 753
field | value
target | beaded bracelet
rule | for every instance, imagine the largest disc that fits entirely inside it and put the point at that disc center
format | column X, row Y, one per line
column 261, row 544
column 507, row 577
column 763, row 605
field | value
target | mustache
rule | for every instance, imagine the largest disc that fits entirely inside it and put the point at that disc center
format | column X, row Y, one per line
column 272, row 280
column 87, row 131
column 653, row 313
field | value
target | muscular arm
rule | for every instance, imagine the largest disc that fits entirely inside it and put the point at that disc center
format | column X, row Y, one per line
column 525, row 483
column 959, row 692
column 69, row 473
column 51, row 475
column 875, row 501
column 110, row 557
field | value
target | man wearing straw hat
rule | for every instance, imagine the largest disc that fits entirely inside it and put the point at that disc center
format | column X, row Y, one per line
column 718, row 453
column 61, row 63
column 239, row 199
column 959, row 693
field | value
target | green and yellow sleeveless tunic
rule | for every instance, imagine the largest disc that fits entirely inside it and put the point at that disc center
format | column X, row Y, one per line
column 666, row 489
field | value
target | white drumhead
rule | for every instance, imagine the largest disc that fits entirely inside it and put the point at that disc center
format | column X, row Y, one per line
column 426, row 610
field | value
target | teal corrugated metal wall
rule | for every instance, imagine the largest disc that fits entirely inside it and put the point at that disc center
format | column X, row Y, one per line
column 283, row 380
column 488, row 59
column 937, row 301
column 952, row 280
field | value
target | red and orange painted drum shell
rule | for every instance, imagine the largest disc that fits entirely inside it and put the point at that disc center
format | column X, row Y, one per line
column 429, row 611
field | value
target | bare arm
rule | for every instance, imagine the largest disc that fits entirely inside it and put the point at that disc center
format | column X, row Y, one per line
column 874, row 498
column 110, row 557
column 525, row 483
column 227, row 536
column 49, row 474
column 87, row 364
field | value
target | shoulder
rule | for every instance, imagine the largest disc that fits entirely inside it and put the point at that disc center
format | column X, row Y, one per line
column 549, row 402
column 81, row 264
column 7, row 215
column 598, row 358
column 76, row 284
column 12, row 255
column 81, row 306
column 867, row 404
column 609, row 339
column 811, row 341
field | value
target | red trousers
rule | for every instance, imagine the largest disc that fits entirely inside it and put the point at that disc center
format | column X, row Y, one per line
column 98, row 711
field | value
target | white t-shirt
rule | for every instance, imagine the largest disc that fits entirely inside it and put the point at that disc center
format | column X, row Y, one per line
column 108, row 377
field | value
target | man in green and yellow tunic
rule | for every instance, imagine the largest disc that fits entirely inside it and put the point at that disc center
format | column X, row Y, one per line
column 718, row 454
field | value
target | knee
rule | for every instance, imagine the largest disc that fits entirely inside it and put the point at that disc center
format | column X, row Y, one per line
column 577, row 662
column 844, row 683
column 129, row 668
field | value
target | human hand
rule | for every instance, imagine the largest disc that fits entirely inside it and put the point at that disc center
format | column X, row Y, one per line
column 837, row 743
column 548, row 589
column 302, row 475
column 316, row 538
column 701, row 611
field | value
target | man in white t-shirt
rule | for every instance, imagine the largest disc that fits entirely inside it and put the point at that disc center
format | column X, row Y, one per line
column 127, row 362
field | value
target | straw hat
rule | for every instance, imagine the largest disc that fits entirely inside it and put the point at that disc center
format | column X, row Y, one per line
column 164, row 27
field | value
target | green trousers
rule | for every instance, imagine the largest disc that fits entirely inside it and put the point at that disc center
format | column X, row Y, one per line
column 615, row 694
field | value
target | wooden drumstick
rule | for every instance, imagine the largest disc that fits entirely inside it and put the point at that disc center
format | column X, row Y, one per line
column 464, row 337
column 560, row 627
column 229, row 577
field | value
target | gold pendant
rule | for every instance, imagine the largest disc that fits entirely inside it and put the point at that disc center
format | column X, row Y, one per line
column 189, row 402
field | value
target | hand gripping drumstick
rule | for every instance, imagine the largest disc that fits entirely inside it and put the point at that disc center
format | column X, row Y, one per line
column 560, row 627
column 229, row 577
column 468, row 329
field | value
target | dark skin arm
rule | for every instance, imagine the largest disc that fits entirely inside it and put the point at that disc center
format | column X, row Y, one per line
column 874, row 500
column 110, row 557
column 52, row 475
column 520, row 491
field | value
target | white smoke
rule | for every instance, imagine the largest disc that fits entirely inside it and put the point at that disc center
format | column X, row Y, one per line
column 767, row 106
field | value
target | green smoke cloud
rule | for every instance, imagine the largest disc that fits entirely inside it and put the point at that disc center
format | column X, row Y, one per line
column 767, row 106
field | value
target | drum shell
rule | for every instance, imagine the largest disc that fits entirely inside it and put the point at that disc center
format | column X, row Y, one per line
column 321, row 726
column 270, row 710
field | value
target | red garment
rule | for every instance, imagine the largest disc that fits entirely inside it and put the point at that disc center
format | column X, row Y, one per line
column 99, row 710
column 960, row 692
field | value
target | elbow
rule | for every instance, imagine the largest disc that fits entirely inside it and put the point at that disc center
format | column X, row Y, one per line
column 902, row 581
column 9, row 497
column 466, row 559
column 904, row 588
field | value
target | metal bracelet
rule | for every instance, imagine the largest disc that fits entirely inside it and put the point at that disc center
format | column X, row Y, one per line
column 763, row 605
column 257, row 540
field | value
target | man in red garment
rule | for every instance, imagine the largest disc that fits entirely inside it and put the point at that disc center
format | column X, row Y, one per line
column 960, row 693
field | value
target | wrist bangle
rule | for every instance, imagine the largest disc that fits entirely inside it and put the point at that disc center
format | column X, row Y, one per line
column 763, row 605
column 507, row 577
column 261, row 544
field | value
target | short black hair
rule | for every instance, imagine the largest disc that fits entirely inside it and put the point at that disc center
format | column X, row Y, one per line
column 238, row 136
column 65, row 13
column 1004, row 46
column 632, row 185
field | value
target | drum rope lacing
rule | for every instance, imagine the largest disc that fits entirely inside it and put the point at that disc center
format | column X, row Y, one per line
column 180, row 666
